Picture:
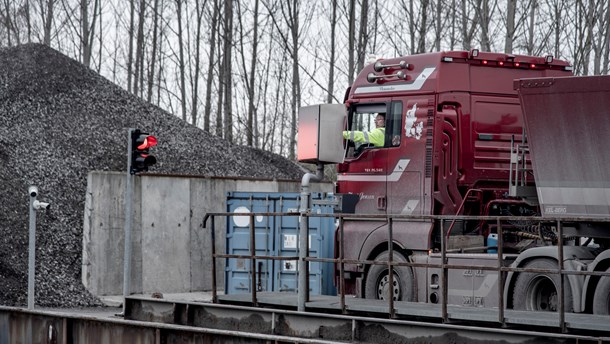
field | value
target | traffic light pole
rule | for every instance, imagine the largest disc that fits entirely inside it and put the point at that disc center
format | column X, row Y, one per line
column 128, row 223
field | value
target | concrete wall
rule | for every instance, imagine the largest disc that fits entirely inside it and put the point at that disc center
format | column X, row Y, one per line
column 171, row 249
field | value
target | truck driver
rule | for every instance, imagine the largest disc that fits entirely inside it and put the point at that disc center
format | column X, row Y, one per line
column 376, row 137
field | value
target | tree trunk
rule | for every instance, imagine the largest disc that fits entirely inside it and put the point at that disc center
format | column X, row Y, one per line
column 421, row 44
column 132, row 14
column 48, row 23
column 252, row 134
column 208, row 86
column 351, row 38
column 28, row 20
column 85, row 47
column 195, row 95
column 137, row 80
column 511, row 8
column 181, row 61
column 485, row 18
column 363, row 34
column 296, row 81
column 530, row 38
column 228, row 45
column 153, row 54
column 221, row 78
column 331, row 62
column 438, row 25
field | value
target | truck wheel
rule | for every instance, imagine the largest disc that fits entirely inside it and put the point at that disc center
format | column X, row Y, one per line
column 538, row 291
column 376, row 285
column 601, row 298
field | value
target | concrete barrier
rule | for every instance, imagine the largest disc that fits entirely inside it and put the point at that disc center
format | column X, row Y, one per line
column 171, row 249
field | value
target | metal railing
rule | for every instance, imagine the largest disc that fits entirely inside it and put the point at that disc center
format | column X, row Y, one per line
column 444, row 265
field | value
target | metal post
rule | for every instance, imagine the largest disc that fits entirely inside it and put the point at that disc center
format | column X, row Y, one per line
column 252, row 260
column 445, row 273
column 303, row 286
column 302, row 266
column 500, row 273
column 128, row 222
column 214, row 282
column 561, row 291
column 391, row 270
column 341, row 267
column 32, row 251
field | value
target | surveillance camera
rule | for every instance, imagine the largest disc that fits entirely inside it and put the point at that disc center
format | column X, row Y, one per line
column 41, row 205
column 33, row 191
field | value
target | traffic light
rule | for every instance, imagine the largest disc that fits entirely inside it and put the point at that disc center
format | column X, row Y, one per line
column 140, row 159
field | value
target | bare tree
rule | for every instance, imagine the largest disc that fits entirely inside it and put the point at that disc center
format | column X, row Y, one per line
column 511, row 9
column 600, row 39
column 249, row 76
column 351, row 37
column 88, row 30
column 132, row 14
column 138, row 81
column 28, row 20
column 199, row 9
column 469, row 26
column 484, row 15
column 362, row 35
column 530, row 42
column 227, row 70
column 181, row 61
column 153, row 54
column 331, row 62
column 211, row 59
column 290, row 11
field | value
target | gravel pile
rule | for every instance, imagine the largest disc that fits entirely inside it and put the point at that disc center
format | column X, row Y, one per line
column 60, row 120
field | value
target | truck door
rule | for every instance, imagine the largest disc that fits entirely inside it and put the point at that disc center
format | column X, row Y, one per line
column 407, row 156
column 365, row 168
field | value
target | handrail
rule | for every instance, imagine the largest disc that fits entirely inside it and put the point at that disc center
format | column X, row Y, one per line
column 444, row 265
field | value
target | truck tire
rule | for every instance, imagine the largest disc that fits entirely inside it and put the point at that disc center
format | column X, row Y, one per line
column 376, row 282
column 538, row 291
column 601, row 298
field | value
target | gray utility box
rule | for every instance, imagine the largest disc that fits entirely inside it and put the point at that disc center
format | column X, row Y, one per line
column 277, row 236
column 320, row 133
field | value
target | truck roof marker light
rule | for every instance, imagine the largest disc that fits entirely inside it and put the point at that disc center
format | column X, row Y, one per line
column 532, row 65
column 484, row 62
column 517, row 64
column 500, row 63
column 473, row 53
column 378, row 66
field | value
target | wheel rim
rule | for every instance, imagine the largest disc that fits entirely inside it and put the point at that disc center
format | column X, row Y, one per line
column 542, row 295
column 383, row 286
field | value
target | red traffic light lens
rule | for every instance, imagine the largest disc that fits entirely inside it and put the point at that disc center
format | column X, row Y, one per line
column 149, row 141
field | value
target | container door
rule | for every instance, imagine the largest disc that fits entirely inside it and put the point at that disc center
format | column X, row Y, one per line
column 287, row 242
column 238, row 271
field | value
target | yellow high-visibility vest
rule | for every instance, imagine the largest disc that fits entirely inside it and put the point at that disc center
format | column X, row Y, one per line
column 375, row 136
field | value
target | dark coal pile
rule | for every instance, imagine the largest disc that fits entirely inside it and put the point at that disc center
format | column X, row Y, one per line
column 60, row 120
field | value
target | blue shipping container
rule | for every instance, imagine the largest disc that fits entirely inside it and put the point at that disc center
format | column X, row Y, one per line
column 277, row 236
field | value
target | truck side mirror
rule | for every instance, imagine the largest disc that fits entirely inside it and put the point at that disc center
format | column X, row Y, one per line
column 321, row 134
